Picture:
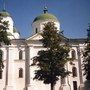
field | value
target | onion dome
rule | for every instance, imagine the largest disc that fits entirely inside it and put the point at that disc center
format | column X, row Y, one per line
column 45, row 16
column 4, row 14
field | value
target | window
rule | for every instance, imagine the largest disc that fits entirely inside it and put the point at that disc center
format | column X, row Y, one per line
column 36, row 30
column 1, row 58
column 63, row 80
column 74, row 85
column 20, row 54
column 1, row 54
column 20, row 73
column 73, row 53
column 74, row 71
column 0, row 74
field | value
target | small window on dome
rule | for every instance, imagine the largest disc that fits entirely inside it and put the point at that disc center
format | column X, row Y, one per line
column 36, row 30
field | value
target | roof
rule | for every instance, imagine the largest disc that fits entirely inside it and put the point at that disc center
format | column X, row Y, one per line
column 4, row 14
column 78, row 40
column 45, row 16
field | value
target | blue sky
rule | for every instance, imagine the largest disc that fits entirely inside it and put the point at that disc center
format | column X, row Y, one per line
column 74, row 15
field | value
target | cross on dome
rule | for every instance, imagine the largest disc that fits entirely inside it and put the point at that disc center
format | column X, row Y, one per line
column 4, row 5
column 45, row 10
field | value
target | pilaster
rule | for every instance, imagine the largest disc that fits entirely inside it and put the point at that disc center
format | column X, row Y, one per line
column 9, row 84
column 27, row 68
column 81, row 87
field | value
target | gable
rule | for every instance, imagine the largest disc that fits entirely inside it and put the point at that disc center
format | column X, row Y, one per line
column 35, row 37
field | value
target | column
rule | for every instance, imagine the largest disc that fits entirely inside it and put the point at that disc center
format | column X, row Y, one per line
column 27, row 68
column 9, row 84
column 80, row 68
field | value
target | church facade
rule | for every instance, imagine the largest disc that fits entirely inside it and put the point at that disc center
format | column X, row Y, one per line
column 17, row 58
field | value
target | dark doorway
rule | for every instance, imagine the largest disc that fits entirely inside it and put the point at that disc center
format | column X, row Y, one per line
column 74, row 85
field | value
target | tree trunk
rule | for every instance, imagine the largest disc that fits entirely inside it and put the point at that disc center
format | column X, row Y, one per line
column 52, row 86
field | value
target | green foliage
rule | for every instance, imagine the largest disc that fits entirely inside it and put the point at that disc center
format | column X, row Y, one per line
column 51, row 62
column 3, row 33
column 87, row 60
column 3, row 37
column 51, row 39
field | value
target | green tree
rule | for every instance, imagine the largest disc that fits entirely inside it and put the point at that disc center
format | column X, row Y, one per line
column 86, row 61
column 3, row 38
column 51, row 62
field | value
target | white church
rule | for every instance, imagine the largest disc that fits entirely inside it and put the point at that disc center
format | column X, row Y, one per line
column 17, row 73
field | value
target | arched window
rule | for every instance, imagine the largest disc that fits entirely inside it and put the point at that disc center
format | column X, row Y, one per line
column 0, row 74
column 1, row 54
column 73, row 53
column 36, row 30
column 1, row 58
column 20, row 73
column 20, row 54
column 74, row 71
column 63, row 80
